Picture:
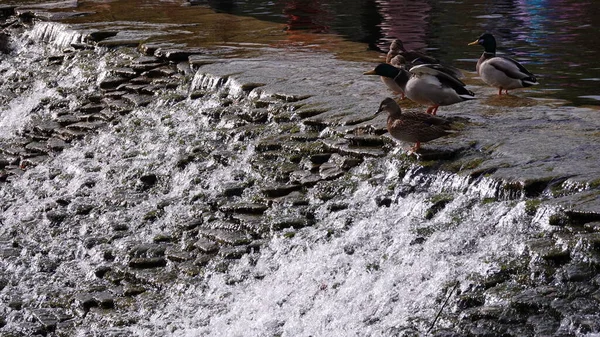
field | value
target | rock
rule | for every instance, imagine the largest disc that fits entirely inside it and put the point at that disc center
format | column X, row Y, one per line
column 86, row 126
column 112, row 82
column 235, row 252
column 290, row 222
column 104, row 300
column 138, row 100
column 100, row 35
column 246, row 208
column 178, row 55
column 234, row 238
column 4, row 43
column 280, row 190
column 148, row 250
column 69, row 135
column 205, row 245
column 56, row 144
column 146, row 263
column 38, row 147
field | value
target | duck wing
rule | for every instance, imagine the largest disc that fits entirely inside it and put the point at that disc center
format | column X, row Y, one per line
column 418, row 127
column 445, row 78
column 511, row 68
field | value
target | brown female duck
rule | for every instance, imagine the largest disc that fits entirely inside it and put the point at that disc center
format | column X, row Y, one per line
column 414, row 127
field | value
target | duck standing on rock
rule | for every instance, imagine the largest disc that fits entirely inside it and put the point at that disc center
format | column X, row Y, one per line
column 501, row 72
column 426, row 85
column 411, row 58
column 414, row 127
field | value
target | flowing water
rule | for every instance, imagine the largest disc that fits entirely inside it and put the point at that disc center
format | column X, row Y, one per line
column 379, row 257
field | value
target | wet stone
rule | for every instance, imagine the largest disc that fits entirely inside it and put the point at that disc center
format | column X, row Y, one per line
column 290, row 222
column 86, row 126
column 124, row 72
column 148, row 250
column 45, row 127
column 101, row 271
column 548, row 250
column 346, row 148
column 160, row 71
column 131, row 290
column 234, row 238
column 46, row 317
column 175, row 54
column 100, row 35
column 233, row 252
column 90, row 108
column 138, row 100
column 203, row 260
column 56, row 144
column 104, row 300
column 65, row 120
column 56, row 216
column 69, row 135
column 280, row 190
column 205, row 245
column 147, row 263
column 33, row 161
column 191, row 224
column 84, row 301
column 38, row 147
column 247, row 208
column 178, row 256
column 141, row 67
column 576, row 272
column 233, row 189
column 112, row 82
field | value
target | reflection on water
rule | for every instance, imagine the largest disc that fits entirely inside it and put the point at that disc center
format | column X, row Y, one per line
column 553, row 38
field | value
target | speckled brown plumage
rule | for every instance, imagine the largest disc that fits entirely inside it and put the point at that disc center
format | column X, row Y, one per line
column 414, row 127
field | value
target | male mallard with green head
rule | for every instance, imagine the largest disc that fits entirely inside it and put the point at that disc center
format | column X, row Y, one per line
column 501, row 72
column 414, row 127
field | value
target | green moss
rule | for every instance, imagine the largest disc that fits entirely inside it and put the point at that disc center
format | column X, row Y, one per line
column 531, row 206
column 473, row 164
column 486, row 201
column 558, row 219
column 289, row 235
column 594, row 183
column 438, row 203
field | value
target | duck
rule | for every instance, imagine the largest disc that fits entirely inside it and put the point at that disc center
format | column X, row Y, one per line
column 414, row 127
column 413, row 58
column 501, row 72
column 399, row 62
column 426, row 85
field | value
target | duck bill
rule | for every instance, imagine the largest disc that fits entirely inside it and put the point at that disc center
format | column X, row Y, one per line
column 473, row 43
column 370, row 72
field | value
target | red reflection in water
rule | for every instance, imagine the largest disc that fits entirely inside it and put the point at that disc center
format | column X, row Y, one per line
column 308, row 15
column 406, row 20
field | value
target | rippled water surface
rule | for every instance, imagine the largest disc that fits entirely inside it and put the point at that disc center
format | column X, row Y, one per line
column 554, row 39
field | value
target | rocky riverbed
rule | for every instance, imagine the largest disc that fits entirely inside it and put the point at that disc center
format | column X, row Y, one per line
column 138, row 177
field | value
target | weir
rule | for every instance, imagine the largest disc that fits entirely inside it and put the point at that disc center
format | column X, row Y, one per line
column 247, row 197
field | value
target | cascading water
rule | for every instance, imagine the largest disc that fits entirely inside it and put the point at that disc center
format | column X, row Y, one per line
column 97, row 239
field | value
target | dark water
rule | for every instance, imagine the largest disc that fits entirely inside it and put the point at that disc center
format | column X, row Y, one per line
column 555, row 39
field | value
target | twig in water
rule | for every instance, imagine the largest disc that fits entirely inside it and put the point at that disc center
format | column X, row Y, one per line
column 442, row 307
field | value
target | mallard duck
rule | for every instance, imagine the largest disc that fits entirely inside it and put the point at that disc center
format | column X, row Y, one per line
column 413, row 58
column 426, row 85
column 501, row 72
column 414, row 127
